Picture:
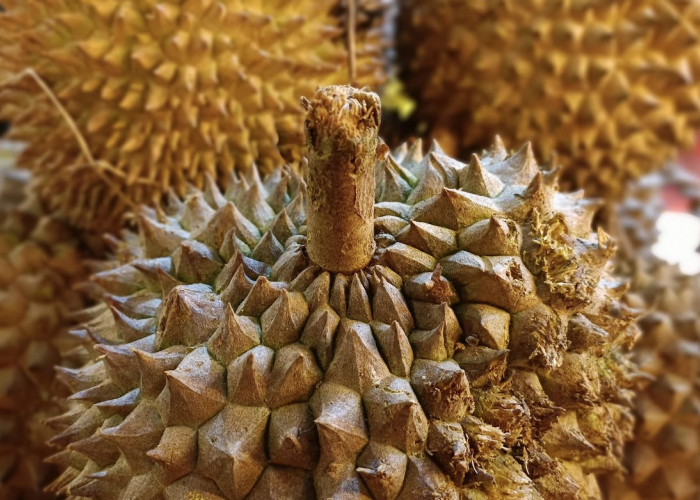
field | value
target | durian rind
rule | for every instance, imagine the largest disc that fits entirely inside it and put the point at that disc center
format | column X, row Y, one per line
column 419, row 377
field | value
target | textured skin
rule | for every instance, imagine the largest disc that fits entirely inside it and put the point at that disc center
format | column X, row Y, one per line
column 664, row 459
column 610, row 85
column 481, row 358
column 167, row 91
column 39, row 264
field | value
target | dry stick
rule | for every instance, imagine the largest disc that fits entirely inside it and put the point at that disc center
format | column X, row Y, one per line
column 352, row 47
column 342, row 128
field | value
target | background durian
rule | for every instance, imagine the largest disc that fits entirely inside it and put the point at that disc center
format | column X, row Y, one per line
column 41, row 260
column 165, row 92
column 663, row 460
column 611, row 86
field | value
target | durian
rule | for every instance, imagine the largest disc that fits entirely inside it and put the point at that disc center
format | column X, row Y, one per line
column 166, row 92
column 477, row 352
column 40, row 262
column 663, row 461
column 610, row 85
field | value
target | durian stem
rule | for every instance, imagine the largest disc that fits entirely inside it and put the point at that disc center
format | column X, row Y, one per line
column 342, row 128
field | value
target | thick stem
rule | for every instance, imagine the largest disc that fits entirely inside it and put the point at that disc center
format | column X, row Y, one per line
column 342, row 127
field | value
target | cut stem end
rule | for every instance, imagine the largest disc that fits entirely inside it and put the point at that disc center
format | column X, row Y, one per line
column 342, row 134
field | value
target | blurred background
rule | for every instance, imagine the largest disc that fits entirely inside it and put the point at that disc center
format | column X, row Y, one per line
column 679, row 225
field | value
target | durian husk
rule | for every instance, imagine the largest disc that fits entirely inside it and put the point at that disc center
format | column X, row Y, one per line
column 40, row 263
column 609, row 85
column 163, row 94
column 480, row 355
column 663, row 461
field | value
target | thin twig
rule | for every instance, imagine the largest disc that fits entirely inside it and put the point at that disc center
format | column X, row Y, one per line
column 99, row 166
column 64, row 113
column 352, row 48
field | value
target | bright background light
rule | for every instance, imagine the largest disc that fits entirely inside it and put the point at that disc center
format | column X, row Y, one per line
column 679, row 240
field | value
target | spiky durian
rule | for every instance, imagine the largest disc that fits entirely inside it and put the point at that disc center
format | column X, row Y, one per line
column 610, row 85
column 166, row 91
column 663, row 461
column 39, row 264
column 477, row 355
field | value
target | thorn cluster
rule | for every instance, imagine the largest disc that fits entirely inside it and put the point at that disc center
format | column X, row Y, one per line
column 450, row 367
column 611, row 86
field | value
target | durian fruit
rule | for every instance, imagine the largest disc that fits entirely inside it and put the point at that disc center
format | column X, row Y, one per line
column 164, row 92
column 40, row 262
column 663, row 460
column 610, row 85
column 633, row 221
column 472, row 349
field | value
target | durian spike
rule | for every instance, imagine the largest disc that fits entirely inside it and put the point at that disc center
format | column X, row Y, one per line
column 341, row 126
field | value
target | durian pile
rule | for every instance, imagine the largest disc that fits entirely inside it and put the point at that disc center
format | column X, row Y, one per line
column 284, row 307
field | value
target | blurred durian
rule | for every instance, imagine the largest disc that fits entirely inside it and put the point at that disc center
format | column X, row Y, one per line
column 163, row 92
column 40, row 262
column 663, row 461
column 611, row 86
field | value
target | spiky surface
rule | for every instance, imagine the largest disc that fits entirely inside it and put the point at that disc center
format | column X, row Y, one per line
column 478, row 356
column 166, row 91
column 39, row 264
column 610, row 85
column 664, row 458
